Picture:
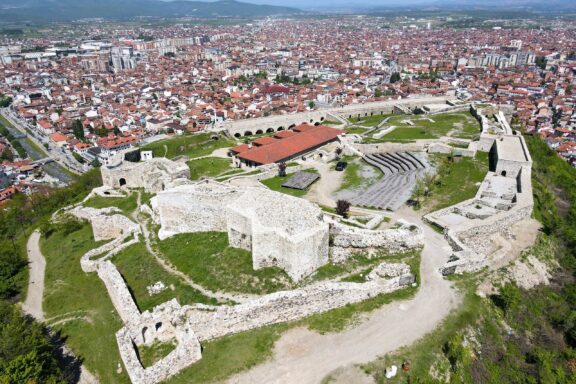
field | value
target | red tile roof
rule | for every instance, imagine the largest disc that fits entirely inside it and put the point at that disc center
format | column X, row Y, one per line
column 264, row 140
column 291, row 146
column 284, row 134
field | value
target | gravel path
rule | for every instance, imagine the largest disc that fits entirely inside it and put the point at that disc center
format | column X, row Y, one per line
column 305, row 357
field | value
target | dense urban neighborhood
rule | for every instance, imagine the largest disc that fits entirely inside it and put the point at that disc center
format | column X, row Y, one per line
column 228, row 192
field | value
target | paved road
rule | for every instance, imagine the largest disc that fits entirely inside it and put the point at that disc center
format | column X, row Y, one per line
column 53, row 169
column 305, row 357
column 33, row 304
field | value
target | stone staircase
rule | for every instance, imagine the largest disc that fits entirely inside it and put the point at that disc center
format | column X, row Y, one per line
column 401, row 170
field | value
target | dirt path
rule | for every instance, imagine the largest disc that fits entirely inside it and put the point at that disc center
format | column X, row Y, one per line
column 305, row 357
column 330, row 180
column 33, row 303
column 37, row 263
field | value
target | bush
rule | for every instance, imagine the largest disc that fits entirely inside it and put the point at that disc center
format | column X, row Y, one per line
column 342, row 208
column 508, row 298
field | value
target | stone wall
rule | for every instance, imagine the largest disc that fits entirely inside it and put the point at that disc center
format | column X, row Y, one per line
column 118, row 291
column 369, row 149
column 348, row 241
column 278, row 229
column 154, row 175
column 273, row 123
column 211, row 322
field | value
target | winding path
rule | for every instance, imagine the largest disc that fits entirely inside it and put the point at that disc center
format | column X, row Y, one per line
column 305, row 357
column 33, row 303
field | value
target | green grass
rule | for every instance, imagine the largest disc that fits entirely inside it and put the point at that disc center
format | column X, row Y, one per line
column 338, row 319
column 456, row 181
column 229, row 355
column 69, row 292
column 355, row 130
column 140, row 270
column 459, row 125
column 188, row 145
column 210, row 167
column 353, row 178
column 210, row 262
column 151, row 354
column 369, row 121
column 275, row 184
column 332, row 123
column 125, row 204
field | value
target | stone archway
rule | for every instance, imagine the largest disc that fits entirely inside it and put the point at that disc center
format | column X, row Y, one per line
column 237, row 135
column 122, row 181
column 259, row 132
column 248, row 133
column 280, row 129
column 270, row 130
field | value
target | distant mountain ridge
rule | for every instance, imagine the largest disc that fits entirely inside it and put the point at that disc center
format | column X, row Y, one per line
column 63, row 10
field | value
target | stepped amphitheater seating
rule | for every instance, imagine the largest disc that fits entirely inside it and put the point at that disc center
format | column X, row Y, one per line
column 401, row 170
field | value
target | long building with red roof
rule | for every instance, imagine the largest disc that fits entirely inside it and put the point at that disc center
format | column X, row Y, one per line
column 285, row 145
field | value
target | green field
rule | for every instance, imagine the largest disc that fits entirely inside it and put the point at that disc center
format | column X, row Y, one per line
column 456, row 181
column 369, row 121
column 459, row 125
column 140, row 270
column 126, row 204
column 81, row 303
column 355, row 174
column 355, row 130
column 210, row 262
column 211, row 167
column 192, row 146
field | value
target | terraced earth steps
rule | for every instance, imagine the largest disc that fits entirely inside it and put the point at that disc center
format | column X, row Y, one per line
column 401, row 170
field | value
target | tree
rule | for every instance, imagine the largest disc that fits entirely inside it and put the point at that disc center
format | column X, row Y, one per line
column 96, row 163
column 343, row 208
column 377, row 93
column 28, row 355
column 5, row 101
column 418, row 191
column 339, row 153
column 311, row 105
column 282, row 169
column 78, row 158
column 78, row 129
column 541, row 62
column 395, row 78
column 6, row 155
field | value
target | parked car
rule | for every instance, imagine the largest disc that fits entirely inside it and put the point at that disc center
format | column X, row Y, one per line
column 341, row 165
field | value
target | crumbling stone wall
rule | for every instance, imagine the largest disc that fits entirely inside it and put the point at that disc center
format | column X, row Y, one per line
column 154, row 175
column 211, row 322
column 347, row 241
column 118, row 291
